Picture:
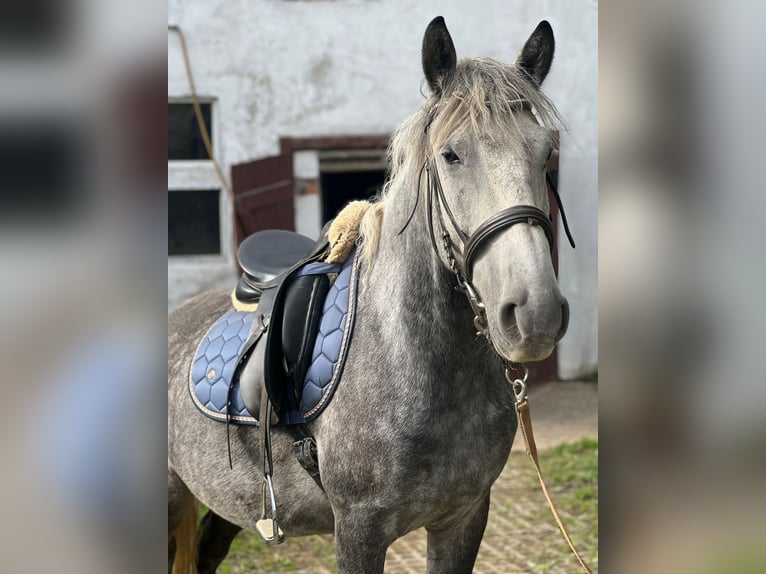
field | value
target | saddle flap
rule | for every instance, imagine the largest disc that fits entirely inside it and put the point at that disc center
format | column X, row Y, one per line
column 303, row 312
column 252, row 379
column 293, row 326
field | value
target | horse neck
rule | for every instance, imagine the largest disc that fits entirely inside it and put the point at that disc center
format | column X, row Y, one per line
column 418, row 292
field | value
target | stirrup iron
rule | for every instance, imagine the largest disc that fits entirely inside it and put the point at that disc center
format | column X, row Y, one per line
column 268, row 528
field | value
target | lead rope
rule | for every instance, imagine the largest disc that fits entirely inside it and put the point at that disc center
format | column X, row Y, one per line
column 525, row 421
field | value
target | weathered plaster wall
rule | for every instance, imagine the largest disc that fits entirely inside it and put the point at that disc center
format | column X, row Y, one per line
column 286, row 67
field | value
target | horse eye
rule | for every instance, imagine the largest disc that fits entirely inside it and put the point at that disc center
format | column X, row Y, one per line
column 450, row 156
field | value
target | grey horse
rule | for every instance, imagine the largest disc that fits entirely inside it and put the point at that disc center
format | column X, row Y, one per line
column 422, row 422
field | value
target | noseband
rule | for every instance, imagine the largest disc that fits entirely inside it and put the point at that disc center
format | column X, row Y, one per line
column 471, row 245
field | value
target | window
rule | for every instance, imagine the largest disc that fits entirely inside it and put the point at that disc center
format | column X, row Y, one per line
column 194, row 193
column 184, row 137
column 194, row 222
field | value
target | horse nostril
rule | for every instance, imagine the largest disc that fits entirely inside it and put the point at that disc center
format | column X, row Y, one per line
column 564, row 320
column 508, row 317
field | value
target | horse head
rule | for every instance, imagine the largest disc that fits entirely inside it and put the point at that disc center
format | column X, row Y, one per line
column 489, row 132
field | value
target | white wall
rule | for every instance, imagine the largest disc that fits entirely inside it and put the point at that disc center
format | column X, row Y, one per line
column 286, row 67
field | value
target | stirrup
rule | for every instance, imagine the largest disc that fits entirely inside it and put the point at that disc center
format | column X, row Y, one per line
column 268, row 528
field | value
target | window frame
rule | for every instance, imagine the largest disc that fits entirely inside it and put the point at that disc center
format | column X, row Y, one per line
column 200, row 174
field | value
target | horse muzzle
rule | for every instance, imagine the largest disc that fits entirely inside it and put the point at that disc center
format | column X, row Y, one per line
column 529, row 331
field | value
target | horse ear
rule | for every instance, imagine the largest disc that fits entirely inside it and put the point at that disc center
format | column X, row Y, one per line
column 537, row 54
column 439, row 57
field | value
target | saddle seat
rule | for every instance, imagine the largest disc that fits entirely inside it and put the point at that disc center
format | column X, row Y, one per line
column 265, row 256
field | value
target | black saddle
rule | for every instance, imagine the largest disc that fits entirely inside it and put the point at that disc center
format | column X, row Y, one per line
column 288, row 315
column 265, row 256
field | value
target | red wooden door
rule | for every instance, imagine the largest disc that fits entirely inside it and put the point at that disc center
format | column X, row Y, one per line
column 263, row 195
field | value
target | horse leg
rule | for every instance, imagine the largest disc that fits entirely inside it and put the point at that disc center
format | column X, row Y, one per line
column 360, row 544
column 216, row 536
column 171, row 553
column 182, row 526
column 453, row 549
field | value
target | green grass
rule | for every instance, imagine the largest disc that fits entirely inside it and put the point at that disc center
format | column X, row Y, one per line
column 250, row 554
column 571, row 473
column 574, row 467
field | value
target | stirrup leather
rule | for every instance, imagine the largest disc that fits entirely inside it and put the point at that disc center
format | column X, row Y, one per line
column 268, row 527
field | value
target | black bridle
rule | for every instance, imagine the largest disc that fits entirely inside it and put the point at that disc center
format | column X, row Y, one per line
column 471, row 245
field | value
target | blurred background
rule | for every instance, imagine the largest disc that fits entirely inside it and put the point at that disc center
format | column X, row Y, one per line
column 83, row 240
column 95, row 246
column 681, row 274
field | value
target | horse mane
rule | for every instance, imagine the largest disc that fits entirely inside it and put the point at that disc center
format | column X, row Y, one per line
column 481, row 94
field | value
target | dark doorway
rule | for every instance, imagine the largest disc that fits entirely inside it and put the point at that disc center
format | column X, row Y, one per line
column 338, row 188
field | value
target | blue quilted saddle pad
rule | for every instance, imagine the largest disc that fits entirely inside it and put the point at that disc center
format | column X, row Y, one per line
column 216, row 364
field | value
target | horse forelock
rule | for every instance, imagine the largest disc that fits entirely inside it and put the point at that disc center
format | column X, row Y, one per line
column 482, row 94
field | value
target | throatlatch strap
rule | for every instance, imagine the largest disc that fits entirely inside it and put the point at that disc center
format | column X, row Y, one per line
column 525, row 420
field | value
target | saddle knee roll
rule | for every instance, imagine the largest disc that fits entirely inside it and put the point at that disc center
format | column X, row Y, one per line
column 303, row 313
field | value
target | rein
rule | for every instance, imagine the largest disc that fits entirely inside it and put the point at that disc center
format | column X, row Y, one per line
column 469, row 251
